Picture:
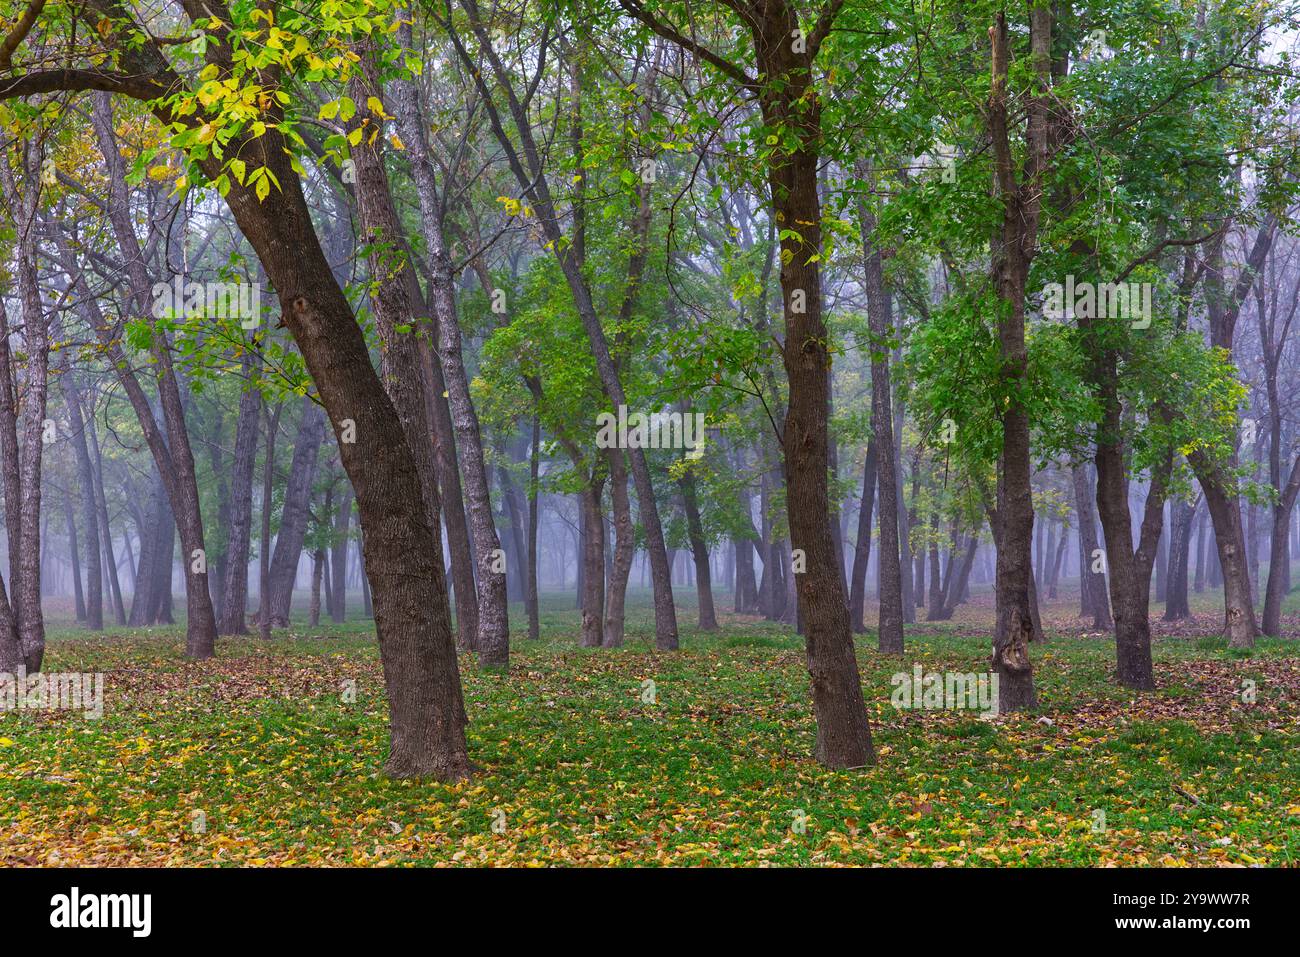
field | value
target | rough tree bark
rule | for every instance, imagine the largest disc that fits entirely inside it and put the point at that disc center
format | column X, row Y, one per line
column 26, row 574
column 1013, row 251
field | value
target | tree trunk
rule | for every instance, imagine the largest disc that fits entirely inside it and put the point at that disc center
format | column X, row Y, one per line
column 955, row 591
column 234, row 605
column 295, row 512
column 74, row 559
column 1278, row 553
column 624, row 549
column 1176, row 595
column 10, row 641
column 412, row 615
column 147, row 516
column 338, row 609
column 534, row 184
column 700, row 553
column 162, row 569
column 936, row 571
column 1014, row 248
column 101, row 507
column 593, row 567
column 36, row 346
column 1221, row 498
column 493, row 638
column 843, row 734
column 317, row 572
column 530, row 584
column 862, row 547
column 879, row 315
column 90, row 517
column 1094, row 595
column 174, row 456
column 264, row 552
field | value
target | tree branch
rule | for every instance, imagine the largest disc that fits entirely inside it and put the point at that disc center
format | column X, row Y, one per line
column 822, row 29
column 19, row 33
column 137, row 86
column 635, row 10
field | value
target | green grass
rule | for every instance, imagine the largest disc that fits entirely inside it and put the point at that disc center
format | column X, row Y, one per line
column 575, row 768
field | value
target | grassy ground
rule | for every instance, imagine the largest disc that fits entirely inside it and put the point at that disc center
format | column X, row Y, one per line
column 258, row 758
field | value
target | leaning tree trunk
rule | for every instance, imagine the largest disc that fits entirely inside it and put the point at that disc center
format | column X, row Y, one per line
column 862, row 547
column 412, row 615
column 1221, row 498
column 879, row 309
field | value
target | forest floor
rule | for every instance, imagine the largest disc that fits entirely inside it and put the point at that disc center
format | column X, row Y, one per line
column 257, row 757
